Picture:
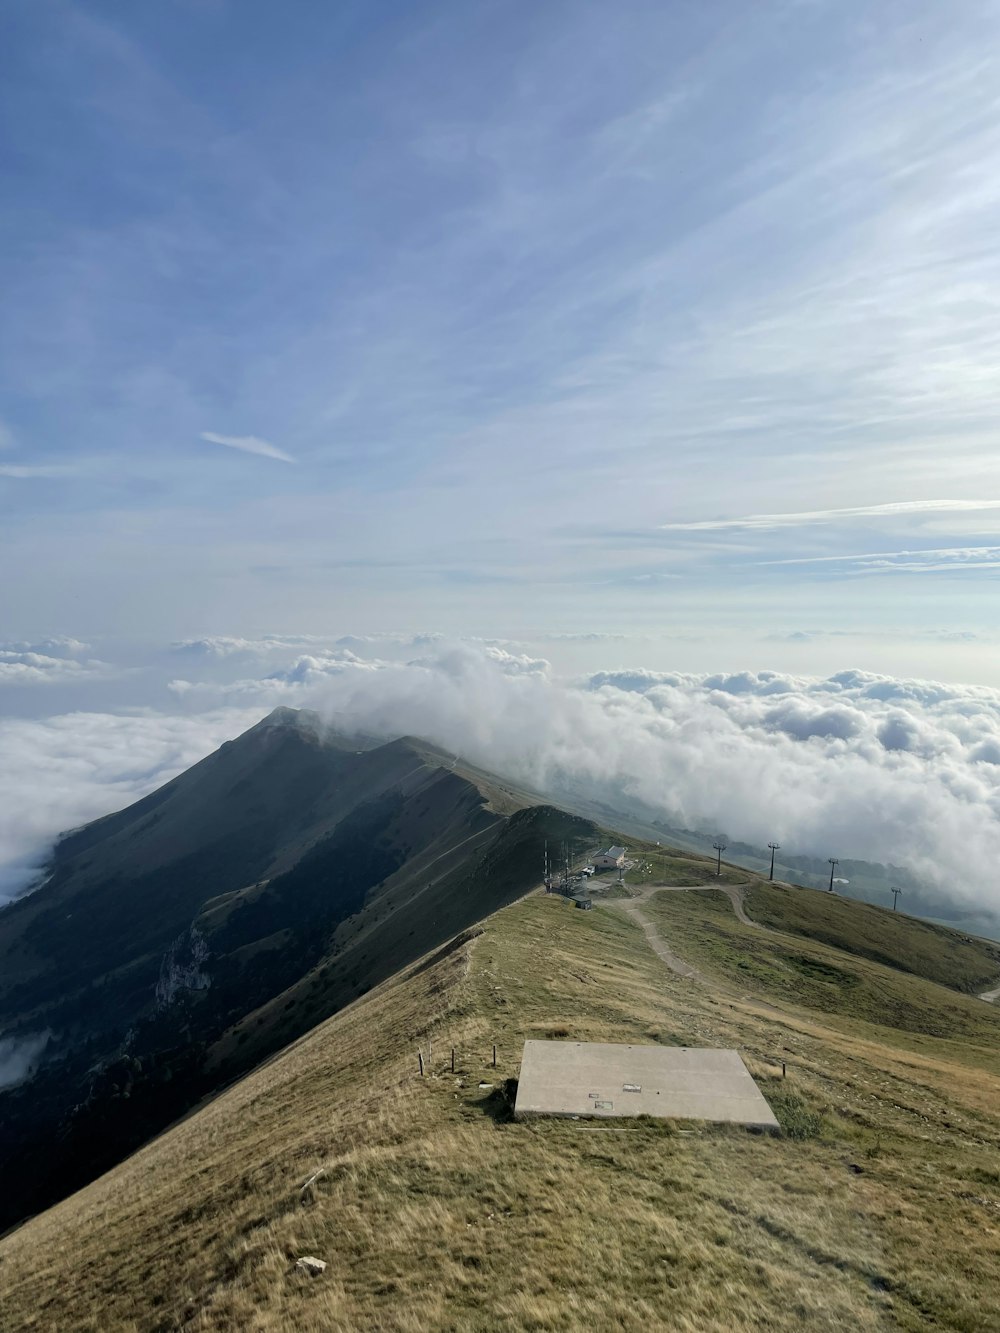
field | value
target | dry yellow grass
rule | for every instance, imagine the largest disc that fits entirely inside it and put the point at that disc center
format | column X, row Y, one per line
column 434, row 1214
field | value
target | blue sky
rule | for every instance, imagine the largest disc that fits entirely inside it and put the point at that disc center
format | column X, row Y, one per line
column 673, row 321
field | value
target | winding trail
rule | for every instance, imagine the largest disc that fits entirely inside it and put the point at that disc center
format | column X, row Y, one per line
column 632, row 907
column 735, row 892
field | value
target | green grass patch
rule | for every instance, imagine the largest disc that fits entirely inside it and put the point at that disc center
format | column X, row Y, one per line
column 798, row 1120
column 661, row 867
column 793, row 969
column 894, row 939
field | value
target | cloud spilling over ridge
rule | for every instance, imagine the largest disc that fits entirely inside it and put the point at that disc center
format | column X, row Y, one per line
column 856, row 765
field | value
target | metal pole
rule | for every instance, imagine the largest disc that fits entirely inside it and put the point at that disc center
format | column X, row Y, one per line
column 895, row 897
column 774, row 847
column 833, row 866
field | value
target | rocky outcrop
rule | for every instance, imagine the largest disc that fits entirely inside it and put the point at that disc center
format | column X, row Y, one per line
column 183, row 967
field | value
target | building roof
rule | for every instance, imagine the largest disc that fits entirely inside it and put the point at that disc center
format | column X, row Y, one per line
column 589, row 1078
column 614, row 852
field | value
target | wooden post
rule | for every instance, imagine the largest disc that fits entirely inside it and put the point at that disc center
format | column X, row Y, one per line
column 421, row 1059
column 782, row 1069
column 453, row 1059
column 494, row 1057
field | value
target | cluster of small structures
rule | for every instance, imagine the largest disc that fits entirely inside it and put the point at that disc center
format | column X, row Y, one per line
column 562, row 879
column 572, row 883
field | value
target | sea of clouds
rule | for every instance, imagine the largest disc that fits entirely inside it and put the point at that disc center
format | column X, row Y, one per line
column 856, row 765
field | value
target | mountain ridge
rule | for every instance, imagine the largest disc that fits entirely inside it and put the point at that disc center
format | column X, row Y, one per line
column 178, row 941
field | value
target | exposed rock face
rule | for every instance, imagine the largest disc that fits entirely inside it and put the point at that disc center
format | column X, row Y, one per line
column 183, row 967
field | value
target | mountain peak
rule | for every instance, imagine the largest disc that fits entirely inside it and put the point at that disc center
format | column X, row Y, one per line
column 301, row 719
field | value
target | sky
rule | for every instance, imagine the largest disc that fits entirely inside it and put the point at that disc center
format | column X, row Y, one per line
column 500, row 318
column 639, row 338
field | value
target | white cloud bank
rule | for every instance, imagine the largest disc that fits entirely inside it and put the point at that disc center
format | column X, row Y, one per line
column 854, row 765
column 51, row 661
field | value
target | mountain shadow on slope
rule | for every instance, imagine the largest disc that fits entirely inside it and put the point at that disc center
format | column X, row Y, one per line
column 181, row 940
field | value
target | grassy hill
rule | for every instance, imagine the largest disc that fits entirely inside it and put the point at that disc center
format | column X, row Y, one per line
column 879, row 1207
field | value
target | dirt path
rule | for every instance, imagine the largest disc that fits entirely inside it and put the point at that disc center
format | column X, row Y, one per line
column 632, row 907
column 735, row 892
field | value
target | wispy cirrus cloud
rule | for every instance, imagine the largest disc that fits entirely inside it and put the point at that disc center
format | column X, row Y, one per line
column 807, row 517
column 248, row 444
column 26, row 470
column 933, row 560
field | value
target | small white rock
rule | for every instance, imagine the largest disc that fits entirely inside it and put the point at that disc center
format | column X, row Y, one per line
column 310, row 1264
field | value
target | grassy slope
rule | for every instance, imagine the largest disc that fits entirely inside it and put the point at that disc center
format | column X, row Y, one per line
column 801, row 972
column 434, row 1214
column 894, row 938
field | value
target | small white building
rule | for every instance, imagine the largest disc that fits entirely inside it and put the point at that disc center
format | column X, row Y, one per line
column 612, row 859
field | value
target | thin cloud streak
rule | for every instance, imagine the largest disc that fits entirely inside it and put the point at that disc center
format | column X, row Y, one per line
column 926, row 561
column 810, row 516
column 26, row 470
column 248, row 444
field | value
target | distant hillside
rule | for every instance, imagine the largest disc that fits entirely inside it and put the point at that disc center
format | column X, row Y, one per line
column 875, row 1210
column 922, row 948
column 868, row 881
column 179, row 941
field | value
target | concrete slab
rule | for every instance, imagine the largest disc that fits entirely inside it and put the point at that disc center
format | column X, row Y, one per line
column 587, row 1078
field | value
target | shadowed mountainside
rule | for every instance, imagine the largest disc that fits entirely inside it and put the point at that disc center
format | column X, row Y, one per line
column 179, row 941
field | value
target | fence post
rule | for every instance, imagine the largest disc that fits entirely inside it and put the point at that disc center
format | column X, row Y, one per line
column 782, row 1069
column 494, row 1057
column 453, row 1059
column 421, row 1059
